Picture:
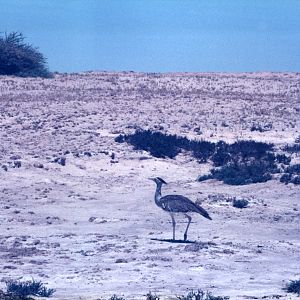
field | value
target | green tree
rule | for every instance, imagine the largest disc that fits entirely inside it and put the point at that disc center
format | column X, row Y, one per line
column 21, row 59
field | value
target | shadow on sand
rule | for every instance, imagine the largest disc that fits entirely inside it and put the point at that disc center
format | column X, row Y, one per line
column 174, row 241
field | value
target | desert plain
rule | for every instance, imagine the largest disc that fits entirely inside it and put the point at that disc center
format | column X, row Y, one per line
column 77, row 208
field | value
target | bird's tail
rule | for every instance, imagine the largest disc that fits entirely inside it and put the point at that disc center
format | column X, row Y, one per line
column 202, row 212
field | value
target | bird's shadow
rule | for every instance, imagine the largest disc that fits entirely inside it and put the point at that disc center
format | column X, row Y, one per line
column 174, row 241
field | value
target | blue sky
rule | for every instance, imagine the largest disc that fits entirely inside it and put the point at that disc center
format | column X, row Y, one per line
column 160, row 35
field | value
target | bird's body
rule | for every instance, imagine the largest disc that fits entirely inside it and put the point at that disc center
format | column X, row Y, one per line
column 177, row 204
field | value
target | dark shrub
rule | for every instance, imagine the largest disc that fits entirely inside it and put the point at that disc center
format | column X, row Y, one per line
column 28, row 288
column 164, row 145
column 293, row 169
column 246, row 149
column 295, row 148
column 242, row 162
column 282, row 159
column 200, row 295
column 115, row 297
column 21, row 59
column 296, row 180
column 244, row 173
column 222, row 154
column 157, row 143
column 240, row 203
column 151, row 296
column 261, row 128
column 286, row 178
column 241, row 151
column 293, row 287
column 202, row 150
column 291, row 175
column 205, row 177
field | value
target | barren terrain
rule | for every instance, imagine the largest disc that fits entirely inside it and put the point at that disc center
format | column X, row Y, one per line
column 77, row 208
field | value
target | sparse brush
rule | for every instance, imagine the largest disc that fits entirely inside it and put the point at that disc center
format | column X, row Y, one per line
column 240, row 203
column 293, row 287
column 163, row 145
column 243, row 162
column 244, row 173
column 28, row 288
column 201, row 295
column 151, row 296
column 295, row 148
column 115, row 297
column 291, row 175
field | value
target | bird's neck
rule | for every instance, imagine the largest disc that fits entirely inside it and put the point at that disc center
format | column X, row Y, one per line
column 157, row 194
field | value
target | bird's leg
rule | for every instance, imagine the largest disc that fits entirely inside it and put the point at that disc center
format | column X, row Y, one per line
column 173, row 224
column 187, row 227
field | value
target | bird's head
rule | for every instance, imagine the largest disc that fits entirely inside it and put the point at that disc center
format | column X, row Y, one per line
column 158, row 180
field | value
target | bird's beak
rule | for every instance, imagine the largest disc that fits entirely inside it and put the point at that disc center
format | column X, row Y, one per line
column 150, row 178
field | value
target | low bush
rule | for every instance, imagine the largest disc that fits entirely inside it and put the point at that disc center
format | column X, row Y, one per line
column 244, row 173
column 166, row 145
column 200, row 295
column 240, row 203
column 291, row 175
column 261, row 128
column 28, row 288
column 295, row 148
column 151, row 296
column 282, row 159
column 293, row 287
column 242, row 162
column 115, row 297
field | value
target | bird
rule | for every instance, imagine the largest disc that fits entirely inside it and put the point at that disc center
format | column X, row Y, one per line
column 177, row 204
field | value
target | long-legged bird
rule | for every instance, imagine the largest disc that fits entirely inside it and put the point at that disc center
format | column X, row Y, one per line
column 177, row 204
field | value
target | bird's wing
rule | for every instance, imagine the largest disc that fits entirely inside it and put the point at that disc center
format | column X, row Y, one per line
column 179, row 203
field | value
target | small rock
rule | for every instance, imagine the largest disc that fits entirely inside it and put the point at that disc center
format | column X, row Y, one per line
column 16, row 164
column 38, row 165
column 61, row 161
column 4, row 167
column 121, row 260
column 15, row 157
column 92, row 219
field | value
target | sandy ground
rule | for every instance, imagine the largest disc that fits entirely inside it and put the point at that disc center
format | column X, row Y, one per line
column 86, row 228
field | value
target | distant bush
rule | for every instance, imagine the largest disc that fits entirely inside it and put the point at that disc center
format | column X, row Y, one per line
column 282, row 159
column 291, row 175
column 242, row 162
column 21, row 59
column 200, row 295
column 166, row 145
column 240, row 203
column 261, row 128
column 240, row 151
column 295, row 148
column 205, row 177
column 293, row 169
column 242, row 173
column 28, row 288
column 115, row 297
column 293, row 287
column 151, row 296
